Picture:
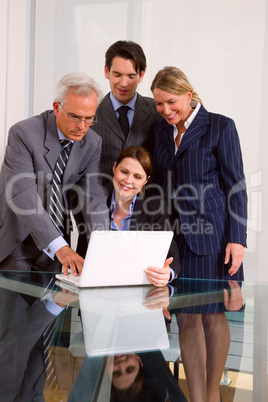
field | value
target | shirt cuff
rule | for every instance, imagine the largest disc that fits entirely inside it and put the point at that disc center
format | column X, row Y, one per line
column 172, row 275
column 50, row 305
column 54, row 246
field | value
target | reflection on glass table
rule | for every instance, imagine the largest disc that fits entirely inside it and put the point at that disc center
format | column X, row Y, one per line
column 106, row 344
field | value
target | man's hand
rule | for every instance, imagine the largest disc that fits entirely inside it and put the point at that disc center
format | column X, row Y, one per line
column 237, row 252
column 65, row 297
column 69, row 258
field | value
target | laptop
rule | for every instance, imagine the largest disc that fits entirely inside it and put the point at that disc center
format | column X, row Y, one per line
column 119, row 258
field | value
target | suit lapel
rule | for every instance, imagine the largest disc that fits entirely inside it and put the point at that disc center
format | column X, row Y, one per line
column 170, row 140
column 166, row 138
column 52, row 142
column 75, row 157
column 196, row 130
column 140, row 115
column 106, row 113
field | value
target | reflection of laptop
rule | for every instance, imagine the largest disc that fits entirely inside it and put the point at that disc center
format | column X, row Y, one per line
column 115, row 321
column 118, row 258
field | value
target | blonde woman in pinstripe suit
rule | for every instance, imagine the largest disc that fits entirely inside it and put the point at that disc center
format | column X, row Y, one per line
column 198, row 165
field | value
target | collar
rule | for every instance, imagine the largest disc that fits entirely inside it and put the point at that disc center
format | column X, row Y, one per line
column 116, row 104
column 131, row 207
column 196, row 105
column 62, row 137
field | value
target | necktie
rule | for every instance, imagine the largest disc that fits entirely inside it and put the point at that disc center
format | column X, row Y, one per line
column 123, row 120
column 56, row 204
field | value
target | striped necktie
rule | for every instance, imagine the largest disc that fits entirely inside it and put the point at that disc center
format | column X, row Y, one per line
column 57, row 211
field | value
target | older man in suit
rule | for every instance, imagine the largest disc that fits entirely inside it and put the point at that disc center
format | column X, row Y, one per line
column 125, row 66
column 50, row 160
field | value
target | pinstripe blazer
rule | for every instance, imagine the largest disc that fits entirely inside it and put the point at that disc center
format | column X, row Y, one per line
column 113, row 141
column 206, row 180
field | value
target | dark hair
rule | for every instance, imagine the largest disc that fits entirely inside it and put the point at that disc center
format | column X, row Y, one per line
column 127, row 50
column 134, row 390
column 141, row 154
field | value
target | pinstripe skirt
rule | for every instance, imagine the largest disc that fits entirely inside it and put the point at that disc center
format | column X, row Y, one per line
column 204, row 266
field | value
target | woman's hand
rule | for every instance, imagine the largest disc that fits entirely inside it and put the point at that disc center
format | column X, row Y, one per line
column 236, row 251
column 158, row 298
column 233, row 300
column 159, row 276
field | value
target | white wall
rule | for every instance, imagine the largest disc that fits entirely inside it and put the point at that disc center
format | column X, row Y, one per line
column 222, row 46
column 3, row 74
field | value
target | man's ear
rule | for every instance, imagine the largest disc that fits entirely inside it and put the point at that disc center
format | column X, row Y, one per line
column 141, row 76
column 106, row 72
column 56, row 107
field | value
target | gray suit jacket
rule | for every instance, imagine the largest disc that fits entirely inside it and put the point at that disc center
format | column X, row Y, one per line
column 32, row 150
column 113, row 140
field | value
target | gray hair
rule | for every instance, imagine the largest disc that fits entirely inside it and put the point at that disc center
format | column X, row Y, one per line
column 79, row 84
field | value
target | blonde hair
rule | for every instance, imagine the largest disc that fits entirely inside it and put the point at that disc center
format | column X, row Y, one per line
column 173, row 80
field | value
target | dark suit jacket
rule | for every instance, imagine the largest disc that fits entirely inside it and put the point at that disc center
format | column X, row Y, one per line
column 208, row 179
column 32, row 150
column 22, row 369
column 113, row 140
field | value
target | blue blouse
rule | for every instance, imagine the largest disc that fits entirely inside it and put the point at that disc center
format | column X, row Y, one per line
column 125, row 223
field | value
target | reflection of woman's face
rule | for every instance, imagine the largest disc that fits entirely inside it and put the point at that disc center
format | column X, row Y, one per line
column 124, row 370
column 174, row 108
column 129, row 178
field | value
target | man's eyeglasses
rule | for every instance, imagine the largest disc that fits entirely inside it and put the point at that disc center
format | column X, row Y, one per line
column 73, row 119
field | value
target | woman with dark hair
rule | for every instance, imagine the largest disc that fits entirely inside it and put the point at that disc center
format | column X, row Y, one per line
column 143, row 377
column 130, row 209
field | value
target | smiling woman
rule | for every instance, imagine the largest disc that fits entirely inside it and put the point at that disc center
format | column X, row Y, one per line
column 131, row 210
column 200, row 153
column 200, row 150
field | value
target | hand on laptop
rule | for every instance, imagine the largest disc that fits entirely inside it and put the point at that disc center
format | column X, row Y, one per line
column 159, row 276
column 70, row 259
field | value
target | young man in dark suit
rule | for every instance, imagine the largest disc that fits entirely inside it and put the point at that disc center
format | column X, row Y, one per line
column 125, row 66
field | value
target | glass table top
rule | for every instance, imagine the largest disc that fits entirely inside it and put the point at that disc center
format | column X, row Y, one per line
column 132, row 343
